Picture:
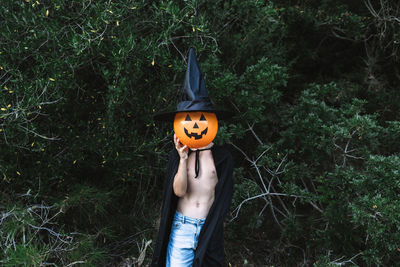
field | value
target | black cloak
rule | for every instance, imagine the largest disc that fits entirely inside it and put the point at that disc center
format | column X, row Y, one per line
column 210, row 250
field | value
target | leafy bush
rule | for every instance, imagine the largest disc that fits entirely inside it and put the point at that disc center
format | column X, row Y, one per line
column 31, row 237
column 315, row 138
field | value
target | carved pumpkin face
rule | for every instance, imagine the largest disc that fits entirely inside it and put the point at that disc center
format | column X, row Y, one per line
column 195, row 129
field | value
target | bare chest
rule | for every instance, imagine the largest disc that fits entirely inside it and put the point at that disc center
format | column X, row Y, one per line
column 207, row 178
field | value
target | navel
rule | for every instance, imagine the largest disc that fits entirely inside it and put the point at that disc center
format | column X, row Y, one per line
column 197, row 204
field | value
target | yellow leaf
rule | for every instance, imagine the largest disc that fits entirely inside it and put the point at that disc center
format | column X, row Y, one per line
column 170, row 66
column 193, row 29
column 18, row 173
column 52, row 79
column 32, row 144
column 47, row 13
column 11, row 92
column 40, row 107
column 9, row 105
column 3, row 109
column 152, row 63
column 5, row 88
column 1, row 130
column 117, row 153
column 74, row 162
column 27, row 1
column 117, row 22
column 133, row 8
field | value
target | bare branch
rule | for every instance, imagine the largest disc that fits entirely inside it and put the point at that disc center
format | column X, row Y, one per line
column 41, row 136
column 342, row 263
column 237, row 209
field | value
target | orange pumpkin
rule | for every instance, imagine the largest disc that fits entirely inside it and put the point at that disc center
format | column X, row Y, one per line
column 195, row 129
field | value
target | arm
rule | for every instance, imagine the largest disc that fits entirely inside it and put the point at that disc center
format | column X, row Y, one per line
column 180, row 179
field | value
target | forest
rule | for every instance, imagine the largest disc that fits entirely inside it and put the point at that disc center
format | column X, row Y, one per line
column 315, row 136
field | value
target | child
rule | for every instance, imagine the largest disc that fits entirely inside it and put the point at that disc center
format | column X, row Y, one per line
column 197, row 190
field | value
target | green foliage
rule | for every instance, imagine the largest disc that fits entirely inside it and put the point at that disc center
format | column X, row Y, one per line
column 315, row 137
column 31, row 237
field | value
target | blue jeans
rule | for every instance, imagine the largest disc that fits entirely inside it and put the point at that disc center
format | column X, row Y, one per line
column 183, row 240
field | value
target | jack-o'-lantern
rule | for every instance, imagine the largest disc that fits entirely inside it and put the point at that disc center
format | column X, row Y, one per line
column 196, row 129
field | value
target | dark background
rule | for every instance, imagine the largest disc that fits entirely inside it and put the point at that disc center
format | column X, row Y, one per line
column 315, row 139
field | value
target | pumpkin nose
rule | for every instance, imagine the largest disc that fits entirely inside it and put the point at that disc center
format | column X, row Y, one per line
column 195, row 125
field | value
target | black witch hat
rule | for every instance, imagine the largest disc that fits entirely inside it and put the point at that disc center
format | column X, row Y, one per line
column 194, row 94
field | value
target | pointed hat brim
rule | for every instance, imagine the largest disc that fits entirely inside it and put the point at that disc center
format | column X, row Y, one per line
column 170, row 116
column 193, row 106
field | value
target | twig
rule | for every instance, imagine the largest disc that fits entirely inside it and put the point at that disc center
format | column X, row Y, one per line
column 75, row 262
column 237, row 209
column 36, row 134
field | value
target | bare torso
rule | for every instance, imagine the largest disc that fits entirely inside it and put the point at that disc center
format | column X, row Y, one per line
column 200, row 191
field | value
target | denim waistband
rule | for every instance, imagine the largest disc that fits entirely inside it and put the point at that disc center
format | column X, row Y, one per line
column 187, row 219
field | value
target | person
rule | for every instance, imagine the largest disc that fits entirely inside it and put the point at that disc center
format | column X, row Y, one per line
column 198, row 191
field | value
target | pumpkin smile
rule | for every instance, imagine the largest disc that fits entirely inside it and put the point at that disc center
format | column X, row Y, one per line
column 196, row 135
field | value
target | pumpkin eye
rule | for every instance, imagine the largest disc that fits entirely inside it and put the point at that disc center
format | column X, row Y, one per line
column 188, row 118
column 202, row 118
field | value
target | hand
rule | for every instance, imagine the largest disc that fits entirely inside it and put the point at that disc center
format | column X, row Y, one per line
column 182, row 149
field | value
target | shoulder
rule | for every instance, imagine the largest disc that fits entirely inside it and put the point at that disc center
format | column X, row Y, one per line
column 222, row 149
column 222, row 153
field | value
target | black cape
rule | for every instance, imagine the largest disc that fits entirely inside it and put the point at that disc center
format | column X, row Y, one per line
column 210, row 249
